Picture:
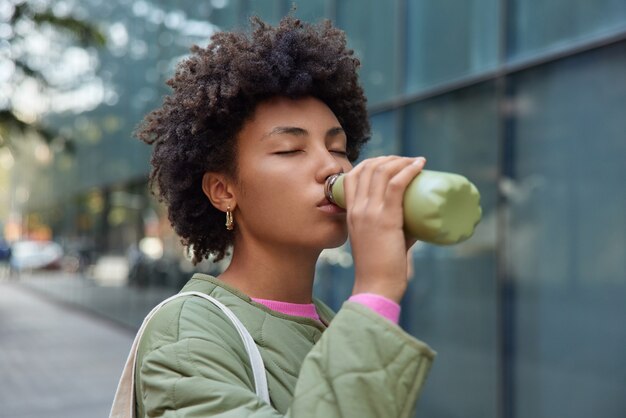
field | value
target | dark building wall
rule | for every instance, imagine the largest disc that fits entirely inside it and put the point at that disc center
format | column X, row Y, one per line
column 525, row 98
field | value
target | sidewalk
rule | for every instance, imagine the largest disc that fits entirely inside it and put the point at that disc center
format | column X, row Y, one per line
column 124, row 305
column 55, row 361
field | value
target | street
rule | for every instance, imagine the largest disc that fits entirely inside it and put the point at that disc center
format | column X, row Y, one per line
column 56, row 361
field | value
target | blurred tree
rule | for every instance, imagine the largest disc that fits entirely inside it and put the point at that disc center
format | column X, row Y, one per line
column 25, row 64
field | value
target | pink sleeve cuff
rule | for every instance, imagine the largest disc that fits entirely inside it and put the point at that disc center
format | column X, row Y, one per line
column 379, row 304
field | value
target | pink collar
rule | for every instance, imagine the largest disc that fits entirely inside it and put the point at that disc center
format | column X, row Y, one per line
column 306, row 310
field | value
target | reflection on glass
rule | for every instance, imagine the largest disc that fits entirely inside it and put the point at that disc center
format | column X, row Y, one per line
column 312, row 10
column 567, row 237
column 373, row 33
column 447, row 39
column 537, row 26
column 385, row 139
column 225, row 13
column 451, row 301
column 269, row 10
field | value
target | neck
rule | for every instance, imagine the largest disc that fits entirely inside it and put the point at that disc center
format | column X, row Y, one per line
column 267, row 272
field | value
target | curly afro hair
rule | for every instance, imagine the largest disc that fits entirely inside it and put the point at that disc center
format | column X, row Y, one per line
column 216, row 90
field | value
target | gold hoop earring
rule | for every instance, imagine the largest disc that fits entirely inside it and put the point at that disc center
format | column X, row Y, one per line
column 230, row 223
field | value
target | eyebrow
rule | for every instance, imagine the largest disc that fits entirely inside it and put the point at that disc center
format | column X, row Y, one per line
column 296, row 131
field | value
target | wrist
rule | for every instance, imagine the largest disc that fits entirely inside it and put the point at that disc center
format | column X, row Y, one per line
column 383, row 306
column 394, row 293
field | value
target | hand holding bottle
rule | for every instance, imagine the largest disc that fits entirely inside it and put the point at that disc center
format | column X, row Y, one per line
column 374, row 192
column 440, row 208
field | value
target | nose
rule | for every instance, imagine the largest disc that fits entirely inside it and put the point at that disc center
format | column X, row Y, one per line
column 328, row 165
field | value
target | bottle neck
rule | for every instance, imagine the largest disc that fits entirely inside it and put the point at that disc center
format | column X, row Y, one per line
column 328, row 186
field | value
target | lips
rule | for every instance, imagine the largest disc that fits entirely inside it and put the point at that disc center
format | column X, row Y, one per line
column 323, row 202
column 329, row 207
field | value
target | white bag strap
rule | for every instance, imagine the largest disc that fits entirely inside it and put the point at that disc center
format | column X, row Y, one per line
column 124, row 402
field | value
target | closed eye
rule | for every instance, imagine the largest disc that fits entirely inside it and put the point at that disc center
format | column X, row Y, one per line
column 295, row 151
column 340, row 152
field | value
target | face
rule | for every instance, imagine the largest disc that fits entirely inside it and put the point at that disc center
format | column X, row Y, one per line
column 285, row 153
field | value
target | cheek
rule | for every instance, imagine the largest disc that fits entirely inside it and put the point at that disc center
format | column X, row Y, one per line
column 268, row 199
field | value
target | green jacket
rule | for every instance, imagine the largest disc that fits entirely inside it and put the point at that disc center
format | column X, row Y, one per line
column 192, row 363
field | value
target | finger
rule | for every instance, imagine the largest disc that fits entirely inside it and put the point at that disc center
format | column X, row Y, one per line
column 394, row 192
column 370, row 170
column 382, row 176
column 356, row 183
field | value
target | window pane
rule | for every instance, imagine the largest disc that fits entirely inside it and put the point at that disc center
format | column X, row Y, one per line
column 271, row 11
column 567, row 237
column 449, row 39
column 385, row 138
column 227, row 15
column 373, row 34
column 312, row 10
column 538, row 25
column 451, row 301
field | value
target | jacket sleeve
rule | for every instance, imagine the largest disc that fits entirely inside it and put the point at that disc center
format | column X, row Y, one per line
column 362, row 366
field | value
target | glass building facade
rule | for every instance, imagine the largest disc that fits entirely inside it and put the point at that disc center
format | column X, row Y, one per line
column 526, row 98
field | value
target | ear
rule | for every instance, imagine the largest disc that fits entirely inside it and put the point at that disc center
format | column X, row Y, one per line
column 219, row 189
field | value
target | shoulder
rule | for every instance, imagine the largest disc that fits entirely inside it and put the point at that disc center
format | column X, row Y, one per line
column 187, row 317
column 188, row 342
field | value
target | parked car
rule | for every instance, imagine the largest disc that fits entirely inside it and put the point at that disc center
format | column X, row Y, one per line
column 35, row 255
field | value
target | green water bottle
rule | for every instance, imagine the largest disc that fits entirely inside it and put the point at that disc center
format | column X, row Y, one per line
column 440, row 208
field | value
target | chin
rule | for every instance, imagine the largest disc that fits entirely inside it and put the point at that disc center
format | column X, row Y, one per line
column 322, row 238
column 336, row 245
column 337, row 241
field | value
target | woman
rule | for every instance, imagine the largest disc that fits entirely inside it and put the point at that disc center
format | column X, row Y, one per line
column 255, row 125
